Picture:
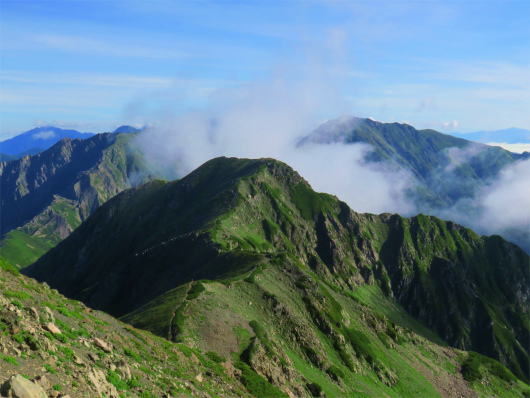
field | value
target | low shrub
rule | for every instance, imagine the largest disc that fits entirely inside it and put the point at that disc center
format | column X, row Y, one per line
column 335, row 372
column 215, row 357
column 314, row 389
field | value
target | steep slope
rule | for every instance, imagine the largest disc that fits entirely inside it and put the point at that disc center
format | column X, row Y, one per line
column 65, row 348
column 39, row 137
column 231, row 217
column 61, row 345
column 46, row 196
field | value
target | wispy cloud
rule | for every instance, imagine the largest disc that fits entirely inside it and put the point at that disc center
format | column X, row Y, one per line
column 43, row 135
column 86, row 79
column 101, row 47
column 449, row 125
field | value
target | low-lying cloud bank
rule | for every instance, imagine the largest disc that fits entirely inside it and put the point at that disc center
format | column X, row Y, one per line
column 517, row 148
column 267, row 119
column 501, row 207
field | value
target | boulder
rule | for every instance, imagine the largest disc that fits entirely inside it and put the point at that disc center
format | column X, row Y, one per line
column 19, row 387
column 50, row 327
column 101, row 344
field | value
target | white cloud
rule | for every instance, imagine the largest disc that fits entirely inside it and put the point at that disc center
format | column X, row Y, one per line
column 506, row 202
column 517, row 148
column 449, row 125
column 266, row 119
column 342, row 171
column 43, row 135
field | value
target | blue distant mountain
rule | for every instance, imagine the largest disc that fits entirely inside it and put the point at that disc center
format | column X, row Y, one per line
column 7, row 158
column 38, row 139
column 510, row 136
column 127, row 129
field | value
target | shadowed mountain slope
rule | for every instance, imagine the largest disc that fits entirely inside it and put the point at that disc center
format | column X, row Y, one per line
column 235, row 219
column 46, row 196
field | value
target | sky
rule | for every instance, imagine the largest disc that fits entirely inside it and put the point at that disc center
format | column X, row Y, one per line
column 92, row 66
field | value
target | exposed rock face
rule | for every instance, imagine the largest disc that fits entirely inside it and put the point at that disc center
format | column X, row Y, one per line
column 46, row 196
column 101, row 344
column 233, row 214
column 19, row 387
column 50, row 327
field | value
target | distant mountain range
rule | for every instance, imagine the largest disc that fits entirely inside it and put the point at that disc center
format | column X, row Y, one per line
column 509, row 136
column 40, row 138
column 46, row 196
column 446, row 170
column 423, row 153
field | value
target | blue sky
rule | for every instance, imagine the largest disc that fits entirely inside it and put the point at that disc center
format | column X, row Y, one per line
column 452, row 65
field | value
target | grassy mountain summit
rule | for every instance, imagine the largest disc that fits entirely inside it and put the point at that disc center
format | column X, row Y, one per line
column 46, row 196
column 239, row 241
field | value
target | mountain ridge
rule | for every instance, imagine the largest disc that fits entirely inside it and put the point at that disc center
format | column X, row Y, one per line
column 38, row 137
column 231, row 217
column 448, row 174
column 46, row 196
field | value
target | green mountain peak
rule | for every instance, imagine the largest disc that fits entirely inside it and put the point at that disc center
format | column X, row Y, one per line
column 256, row 226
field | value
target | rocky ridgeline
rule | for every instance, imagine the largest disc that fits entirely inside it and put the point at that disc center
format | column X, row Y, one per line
column 53, row 347
column 47, row 196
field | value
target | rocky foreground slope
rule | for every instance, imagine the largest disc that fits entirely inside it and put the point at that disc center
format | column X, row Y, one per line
column 51, row 346
column 242, row 258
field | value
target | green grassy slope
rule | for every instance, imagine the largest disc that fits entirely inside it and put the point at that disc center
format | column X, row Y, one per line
column 233, row 217
column 131, row 362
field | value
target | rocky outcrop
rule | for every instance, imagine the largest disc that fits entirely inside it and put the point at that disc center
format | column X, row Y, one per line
column 18, row 386
column 46, row 196
column 88, row 353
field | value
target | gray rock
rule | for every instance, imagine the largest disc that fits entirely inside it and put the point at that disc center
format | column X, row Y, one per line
column 19, row 387
column 34, row 313
column 43, row 382
column 50, row 314
column 101, row 344
column 50, row 327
